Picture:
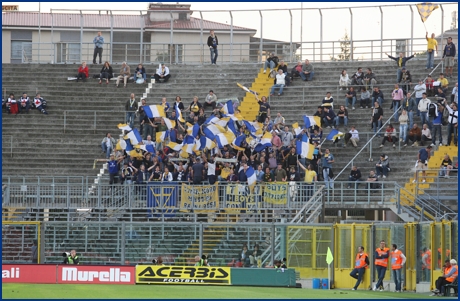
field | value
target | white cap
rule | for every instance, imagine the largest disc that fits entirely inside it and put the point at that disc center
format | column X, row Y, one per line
column 453, row 261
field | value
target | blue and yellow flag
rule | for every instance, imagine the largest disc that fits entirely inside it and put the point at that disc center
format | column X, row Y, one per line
column 425, row 9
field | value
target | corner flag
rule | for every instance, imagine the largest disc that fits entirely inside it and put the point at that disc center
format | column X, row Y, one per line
column 329, row 257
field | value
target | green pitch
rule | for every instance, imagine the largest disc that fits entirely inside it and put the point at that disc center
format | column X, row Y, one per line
column 101, row 291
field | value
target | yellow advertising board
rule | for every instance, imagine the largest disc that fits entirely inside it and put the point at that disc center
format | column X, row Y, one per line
column 182, row 275
column 200, row 198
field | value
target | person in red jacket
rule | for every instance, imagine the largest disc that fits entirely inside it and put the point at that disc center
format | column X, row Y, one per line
column 82, row 72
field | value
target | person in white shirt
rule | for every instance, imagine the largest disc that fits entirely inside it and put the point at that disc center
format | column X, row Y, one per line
column 167, row 176
column 286, row 137
column 354, row 136
column 210, row 100
column 280, row 82
column 454, row 96
column 452, row 126
column 426, row 135
column 162, row 73
column 419, row 90
column 279, row 121
column 344, row 81
column 423, row 108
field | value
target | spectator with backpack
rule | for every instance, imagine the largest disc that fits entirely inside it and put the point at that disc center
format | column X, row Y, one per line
column 271, row 61
column 307, row 71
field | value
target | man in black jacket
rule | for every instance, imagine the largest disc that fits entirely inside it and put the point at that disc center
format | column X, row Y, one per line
column 401, row 61
column 355, row 176
column 212, row 44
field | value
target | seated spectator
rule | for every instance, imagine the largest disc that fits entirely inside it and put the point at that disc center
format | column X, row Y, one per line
column 194, row 107
column 371, row 181
column 358, row 77
column 425, row 136
column 255, row 256
column 342, row 116
column 406, row 80
column 271, row 61
column 350, row 96
column 283, row 67
column 280, row 83
column 279, row 121
column 140, row 73
column 307, row 71
column 108, row 144
column 446, row 166
column 377, row 95
column 329, row 117
column 83, row 72
column 280, row 174
column 369, row 79
column 40, row 104
column 355, row 176
column 12, row 105
column 429, row 86
column 106, row 72
column 354, row 138
column 24, row 103
column 162, row 74
column 295, row 72
column 243, row 256
column 210, row 100
column 344, row 81
column 383, row 166
column 390, row 135
column 365, row 98
column 125, row 73
column 328, row 100
column 444, row 82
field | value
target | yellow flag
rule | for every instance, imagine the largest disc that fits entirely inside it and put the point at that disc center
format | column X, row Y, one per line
column 329, row 257
column 425, row 9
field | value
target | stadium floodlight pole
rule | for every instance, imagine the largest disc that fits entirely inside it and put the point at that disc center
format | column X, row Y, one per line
column 351, row 34
column 201, row 37
column 231, row 37
column 442, row 35
column 261, row 35
column 290, row 40
column 381, row 33
column 52, row 36
column 171, row 37
column 111, row 37
column 320, row 35
column 141, row 18
column 411, row 29
column 81, row 37
column 301, row 29
column 39, row 29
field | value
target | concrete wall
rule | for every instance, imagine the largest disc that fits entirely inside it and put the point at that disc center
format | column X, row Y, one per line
column 6, row 46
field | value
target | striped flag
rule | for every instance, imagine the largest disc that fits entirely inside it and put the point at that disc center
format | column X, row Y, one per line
column 189, row 143
column 425, row 9
column 154, row 111
column 252, row 179
column 246, row 89
column 334, row 134
column 172, row 135
column 265, row 141
column 296, row 128
column 175, row 146
column 212, row 130
column 128, row 146
column 134, row 137
column 179, row 114
column 169, row 123
column 124, row 127
column 211, row 119
column 231, row 127
column 311, row 121
column 228, row 108
column 225, row 139
column 161, row 136
column 304, row 148
column 223, row 121
column 205, row 143
column 195, row 130
column 148, row 148
column 236, row 144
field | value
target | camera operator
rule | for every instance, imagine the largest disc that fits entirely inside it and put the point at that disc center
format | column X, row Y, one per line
column 71, row 258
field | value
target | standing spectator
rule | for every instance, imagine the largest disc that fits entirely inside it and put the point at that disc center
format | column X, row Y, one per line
column 429, row 83
column 259, row 174
column 168, row 176
column 212, row 44
column 24, row 103
column 382, row 167
column 141, row 114
column 390, row 136
column 410, row 105
column 72, row 258
column 264, row 109
column 98, row 43
column 361, row 264
column 328, row 100
column 106, row 72
column 354, row 138
column 403, row 126
column 414, row 135
column 40, row 104
column 307, row 71
column 426, row 135
column 397, row 261
column 454, row 96
column 211, row 100
column 432, row 45
column 377, row 95
column 310, row 177
column 401, row 61
column 422, row 163
column 280, row 83
column 365, row 98
column 197, row 171
column 283, row 66
column 34, row 252
column 12, row 105
column 437, row 125
column 342, row 115
column 355, row 176
column 295, row 72
column 369, row 79
column 397, row 96
column 406, row 80
column 449, row 273
column 127, row 173
column 381, row 263
column 452, row 126
column 83, row 72
column 131, row 108
column 286, row 137
column 165, row 105
column 419, row 90
column 280, row 174
column 344, row 81
column 162, row 74
column 448, row 56
column 350, row 96
column 327, row 161
column 329, row 117
column 358, row 77
column 376, row 119
column 140, row 73
column 108, row 144
column 255, row 256
column 112, row 166
column 423, row 108
column 125, row 73
column 446, row 166
column 271, row 61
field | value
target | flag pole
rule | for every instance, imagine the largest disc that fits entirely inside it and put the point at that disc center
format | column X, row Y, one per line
column 329, row 276
column 425, row 27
